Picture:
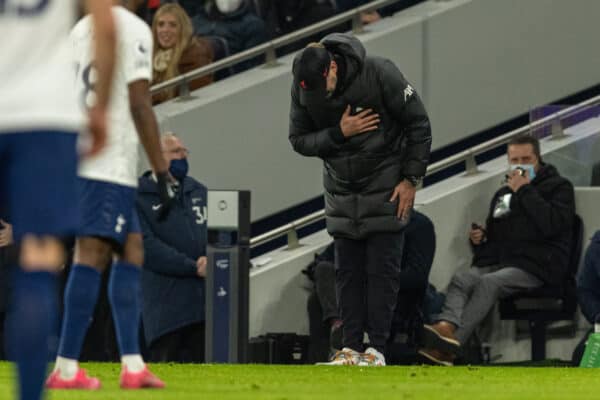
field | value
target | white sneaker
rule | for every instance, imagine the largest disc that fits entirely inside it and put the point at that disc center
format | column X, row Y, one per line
column 371, row 358
column 345, row 356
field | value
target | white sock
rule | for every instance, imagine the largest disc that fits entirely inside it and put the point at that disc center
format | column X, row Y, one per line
column 133, row 362
column 67, row 367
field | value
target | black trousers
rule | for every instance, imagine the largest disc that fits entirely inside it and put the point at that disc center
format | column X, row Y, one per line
column 367, row 285
column 325, row 290
column 318, row 329
column 185, row 345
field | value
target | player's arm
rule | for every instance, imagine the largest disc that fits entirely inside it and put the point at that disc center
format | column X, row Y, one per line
column 104, row 54
column 105, row 44
column 138, row 74
column 140, row 105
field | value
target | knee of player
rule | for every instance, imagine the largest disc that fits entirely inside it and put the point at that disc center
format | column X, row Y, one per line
column 93, row 252
column 42, row 254
column 133, row 252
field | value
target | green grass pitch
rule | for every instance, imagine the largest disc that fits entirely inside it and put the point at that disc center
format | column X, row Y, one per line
column 318, row 382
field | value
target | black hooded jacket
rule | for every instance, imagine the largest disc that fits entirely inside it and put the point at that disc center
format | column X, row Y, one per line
column 536, row 234
column 360, row 172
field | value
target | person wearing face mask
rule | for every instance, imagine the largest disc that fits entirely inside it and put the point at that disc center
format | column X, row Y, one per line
column 177, row 50
column 172, row 280
column 233, row 21
column 525, row 244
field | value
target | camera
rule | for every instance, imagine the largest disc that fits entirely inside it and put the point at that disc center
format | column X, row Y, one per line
column 521, row 171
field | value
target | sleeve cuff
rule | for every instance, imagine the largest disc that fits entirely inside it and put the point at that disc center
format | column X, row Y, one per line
column 336, row 134
column 523, row 190
column 191, row 264
column 414, row 168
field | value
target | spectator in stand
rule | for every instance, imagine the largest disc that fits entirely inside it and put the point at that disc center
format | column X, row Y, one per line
column 175, row 263
column 177, row 50
column 191, row 7
column 374, row 16
column 525, row 245
column 286, row 16
column 147, row 10
column 588, row 282
column 232, row 21
column 588, row 291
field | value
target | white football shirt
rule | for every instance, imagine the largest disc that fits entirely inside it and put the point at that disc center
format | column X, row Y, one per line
column 118, row 161
column 36, row 70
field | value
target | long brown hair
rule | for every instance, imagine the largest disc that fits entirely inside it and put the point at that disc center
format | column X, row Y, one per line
column 183, row 41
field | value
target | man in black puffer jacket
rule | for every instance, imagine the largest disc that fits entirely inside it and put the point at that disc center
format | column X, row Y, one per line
column 526, row 243
column 366, row 122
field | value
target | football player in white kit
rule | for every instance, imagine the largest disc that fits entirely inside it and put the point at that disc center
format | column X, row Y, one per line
column 39, row 122
column 109, row 223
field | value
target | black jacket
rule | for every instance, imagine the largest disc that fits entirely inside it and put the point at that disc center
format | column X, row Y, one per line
column 361, row 172
column 241, row 29
column 172, row 293
column 536, row 235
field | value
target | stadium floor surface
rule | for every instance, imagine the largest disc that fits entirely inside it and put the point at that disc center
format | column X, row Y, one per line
column 318, row 382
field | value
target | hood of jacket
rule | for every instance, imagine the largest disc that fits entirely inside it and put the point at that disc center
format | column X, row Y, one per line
column 350, row 55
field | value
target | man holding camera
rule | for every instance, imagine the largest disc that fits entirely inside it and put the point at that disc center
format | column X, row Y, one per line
column 525, row 244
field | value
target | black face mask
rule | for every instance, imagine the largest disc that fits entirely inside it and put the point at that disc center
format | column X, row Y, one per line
column 179, row 168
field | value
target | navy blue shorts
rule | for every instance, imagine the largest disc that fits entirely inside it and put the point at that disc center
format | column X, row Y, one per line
column 107, row 210
column 38, row 182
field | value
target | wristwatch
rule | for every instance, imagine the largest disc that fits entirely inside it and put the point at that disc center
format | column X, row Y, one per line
column 414, row 180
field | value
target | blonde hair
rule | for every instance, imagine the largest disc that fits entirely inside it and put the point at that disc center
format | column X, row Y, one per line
column 183, row 41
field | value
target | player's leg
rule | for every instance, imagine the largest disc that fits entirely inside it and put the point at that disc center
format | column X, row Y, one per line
column 101, row 231
column 33, row 316
column 123, row 294
column 124, row 297
column 39, row 177
column 92, row 256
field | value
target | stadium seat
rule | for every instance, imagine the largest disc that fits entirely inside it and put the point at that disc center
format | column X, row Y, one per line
column 547, row 304
column 220, row 50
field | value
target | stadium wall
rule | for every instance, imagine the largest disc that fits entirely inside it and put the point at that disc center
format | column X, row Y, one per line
column 475, row 62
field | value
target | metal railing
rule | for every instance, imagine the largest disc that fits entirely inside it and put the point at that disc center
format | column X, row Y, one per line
column 268, row 49
column 466, row 156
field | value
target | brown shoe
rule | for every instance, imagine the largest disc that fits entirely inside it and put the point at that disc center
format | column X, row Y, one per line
column 441, row 336
column 436, row 357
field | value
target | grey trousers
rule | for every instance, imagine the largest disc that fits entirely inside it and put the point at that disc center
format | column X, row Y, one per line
column 472, row 294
